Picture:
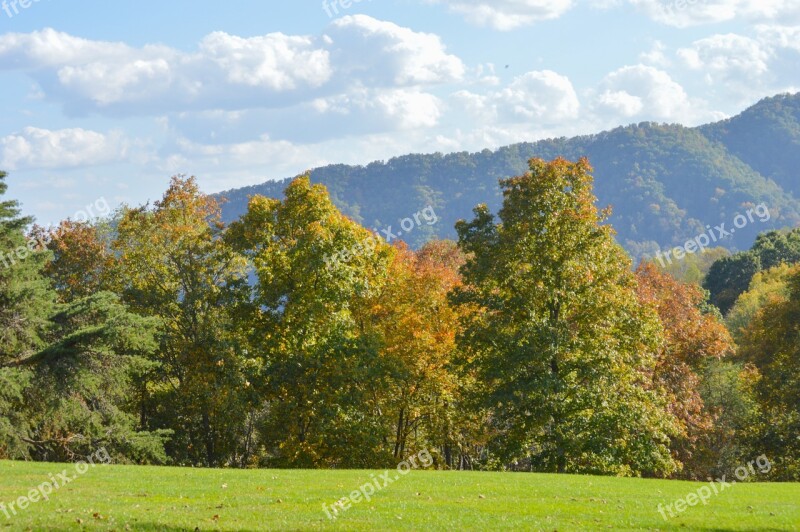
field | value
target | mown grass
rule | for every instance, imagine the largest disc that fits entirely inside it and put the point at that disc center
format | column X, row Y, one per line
column 149, row 498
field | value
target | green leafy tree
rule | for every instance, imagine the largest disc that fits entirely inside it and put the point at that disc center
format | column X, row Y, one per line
column 175, row 266
column 694, row 267
column 562, row 345
column 323, row 377
column 728, row 391
column 764, row 287
column 772, row 344
column 730, row 277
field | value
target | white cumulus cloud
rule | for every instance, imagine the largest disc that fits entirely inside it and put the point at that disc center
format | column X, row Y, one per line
column 643, row 92
column 274, row 62
column 399, row 108
column 377, row 52
column 34, row 148
column 542, row 97
column 228, row 72
column 686, row 13
column 777, row 37
column 727, row 55
column 507, row 15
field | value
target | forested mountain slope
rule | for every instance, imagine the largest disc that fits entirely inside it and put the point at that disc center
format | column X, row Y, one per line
column 666, row 183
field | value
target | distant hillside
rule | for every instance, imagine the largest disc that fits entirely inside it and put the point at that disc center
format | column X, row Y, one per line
column 666, row 183
column 766, row 137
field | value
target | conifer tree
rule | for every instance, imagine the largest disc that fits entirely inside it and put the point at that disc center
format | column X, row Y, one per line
column 25, row 304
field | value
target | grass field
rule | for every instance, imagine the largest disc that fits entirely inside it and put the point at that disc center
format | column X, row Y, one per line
column 149, row 498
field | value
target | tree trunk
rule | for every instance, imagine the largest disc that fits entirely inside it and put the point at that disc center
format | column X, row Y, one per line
column 209, row 438
column 399, row 436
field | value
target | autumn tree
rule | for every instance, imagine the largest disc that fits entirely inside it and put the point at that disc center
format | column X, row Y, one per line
column 175, row 266
column 771, row 342
column 766, row 286
column 562, row 345
column 323, row 377
column 82, row 261
column 693, row 336
column 416, row 327
column 729, row 277
column 694, row 267
column 462, row 424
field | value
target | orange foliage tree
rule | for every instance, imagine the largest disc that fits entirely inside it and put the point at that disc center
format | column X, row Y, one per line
column 691, row 338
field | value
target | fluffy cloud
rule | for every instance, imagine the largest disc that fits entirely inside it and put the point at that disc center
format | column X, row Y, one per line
column 223, row 166
column 507, row 15
column 274, row 62
column 361, row 111
column 400, row 109
column 228, row 72
column 643, row 92
column 35, row 148
column 725, row 57
column 779, row 37
column 116, row 79
column 542, row 97
column 685, row 13
column 656, row 56
column 49, row 48
column 211, row 159
column 379, row 53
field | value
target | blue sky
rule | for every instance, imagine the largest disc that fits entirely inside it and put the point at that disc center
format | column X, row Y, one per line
column 107, row 99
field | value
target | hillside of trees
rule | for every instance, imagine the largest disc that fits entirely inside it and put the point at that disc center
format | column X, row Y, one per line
column 666, row 183
column 293, row 337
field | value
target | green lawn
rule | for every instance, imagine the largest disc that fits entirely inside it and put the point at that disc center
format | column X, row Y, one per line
column 149, row 498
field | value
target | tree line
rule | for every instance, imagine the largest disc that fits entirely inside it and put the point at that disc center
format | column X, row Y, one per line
column 530, row 344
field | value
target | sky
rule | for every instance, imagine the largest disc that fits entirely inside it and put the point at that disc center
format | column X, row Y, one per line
column 103, row 101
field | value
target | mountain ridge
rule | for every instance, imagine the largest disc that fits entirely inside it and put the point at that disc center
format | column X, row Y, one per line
column 666, row 183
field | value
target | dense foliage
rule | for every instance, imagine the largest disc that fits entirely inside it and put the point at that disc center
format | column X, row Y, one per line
column 294, row 337
column 68, row 369
column 730, row 277
column 563, row 349
column 772, row 344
